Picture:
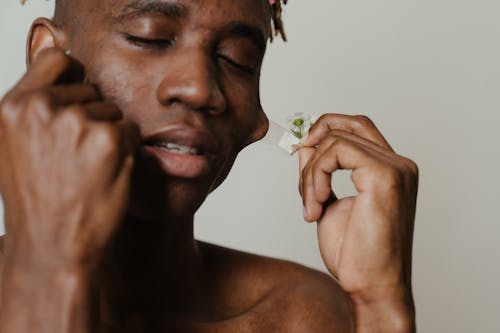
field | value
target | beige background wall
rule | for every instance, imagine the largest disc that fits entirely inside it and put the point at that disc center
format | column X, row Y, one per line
column 427, row 72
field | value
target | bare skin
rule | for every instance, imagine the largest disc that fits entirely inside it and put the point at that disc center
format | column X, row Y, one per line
column 99, row 204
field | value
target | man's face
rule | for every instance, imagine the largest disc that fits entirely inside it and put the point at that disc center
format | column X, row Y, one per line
column 187, row 72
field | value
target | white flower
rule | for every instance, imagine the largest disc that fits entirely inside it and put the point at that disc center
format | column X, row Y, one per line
column 299, row 123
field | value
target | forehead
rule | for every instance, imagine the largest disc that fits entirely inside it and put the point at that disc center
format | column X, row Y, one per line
column 255, row 12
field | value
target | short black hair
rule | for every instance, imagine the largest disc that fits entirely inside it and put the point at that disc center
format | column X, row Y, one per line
column 276, row 8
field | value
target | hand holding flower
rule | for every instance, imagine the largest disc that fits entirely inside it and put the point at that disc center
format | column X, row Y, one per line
column 365, row 240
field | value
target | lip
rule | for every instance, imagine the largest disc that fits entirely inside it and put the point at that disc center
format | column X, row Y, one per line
column 183, row 165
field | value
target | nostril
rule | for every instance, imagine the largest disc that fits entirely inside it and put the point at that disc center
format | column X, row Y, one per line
column 218, row 102
column 200, row 94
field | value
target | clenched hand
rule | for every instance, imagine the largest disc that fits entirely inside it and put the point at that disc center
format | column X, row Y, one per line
column 67, row 156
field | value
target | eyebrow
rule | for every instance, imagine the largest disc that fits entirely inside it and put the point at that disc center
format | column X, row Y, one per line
column 176, row 11
column 241, row 29
column 142, row 7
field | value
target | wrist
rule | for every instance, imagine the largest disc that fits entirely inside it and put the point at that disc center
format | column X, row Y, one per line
column 388, row 310
column 32, row 300
column 29, row 278
column 45, row 257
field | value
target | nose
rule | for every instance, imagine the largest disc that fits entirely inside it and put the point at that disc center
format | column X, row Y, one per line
column 191, row 79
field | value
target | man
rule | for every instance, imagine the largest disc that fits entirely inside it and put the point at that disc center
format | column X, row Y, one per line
column 109, row 149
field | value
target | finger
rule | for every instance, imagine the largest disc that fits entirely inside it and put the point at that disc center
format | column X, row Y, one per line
column 312, row 207
column 103, row 111
column 316, row 189
column 52, row 66
column 73, row 94
column 131, row 136
column 305, row 155
column 357, row 125
column 319, row 152
column 112, row 143
column 335, row 133
column 341, row 154
column 121, row 186
column 93, row 112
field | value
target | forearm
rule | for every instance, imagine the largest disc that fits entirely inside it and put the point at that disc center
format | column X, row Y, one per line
column 45, row 303
column 389, row 313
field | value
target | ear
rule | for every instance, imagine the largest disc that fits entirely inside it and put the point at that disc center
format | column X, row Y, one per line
column 43, row 34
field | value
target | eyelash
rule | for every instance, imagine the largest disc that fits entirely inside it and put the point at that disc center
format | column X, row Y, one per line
column 246, row 69
column 161, row 44
column 156, row 44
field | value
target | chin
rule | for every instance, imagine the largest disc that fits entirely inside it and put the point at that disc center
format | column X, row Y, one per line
column 177, row 200
column 163, row 190
column 156, row 197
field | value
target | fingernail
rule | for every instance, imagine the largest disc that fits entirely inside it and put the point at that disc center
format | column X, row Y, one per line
column 305, row 212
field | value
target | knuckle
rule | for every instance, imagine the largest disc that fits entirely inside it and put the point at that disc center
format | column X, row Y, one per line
column 73, row 117
column 389, row 177
column 106, row 137
column 35, row 107
column 411, row 169
column 324, row 117
column 322, row 121
column 363, row 121
column 40, row 100
column 9, row 108
column 9, row 100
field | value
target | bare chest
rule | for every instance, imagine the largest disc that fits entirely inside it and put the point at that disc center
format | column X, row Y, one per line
column 262, row 318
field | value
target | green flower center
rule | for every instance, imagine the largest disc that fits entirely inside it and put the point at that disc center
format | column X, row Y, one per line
column 298, row 122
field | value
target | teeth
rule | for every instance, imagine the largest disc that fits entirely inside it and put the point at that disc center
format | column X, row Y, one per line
column 180, row 149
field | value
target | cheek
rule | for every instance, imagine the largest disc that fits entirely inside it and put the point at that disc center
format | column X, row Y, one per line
column 261, row 128
column 127, row 86
column 250, row 122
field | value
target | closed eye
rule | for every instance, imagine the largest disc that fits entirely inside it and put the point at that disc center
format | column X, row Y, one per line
column 151, row 43
column 244, row 68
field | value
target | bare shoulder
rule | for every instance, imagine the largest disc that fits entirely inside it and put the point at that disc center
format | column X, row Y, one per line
column 314, row 303
column 290, row 297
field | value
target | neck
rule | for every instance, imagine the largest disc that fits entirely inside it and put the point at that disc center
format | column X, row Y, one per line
column 150, row 268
